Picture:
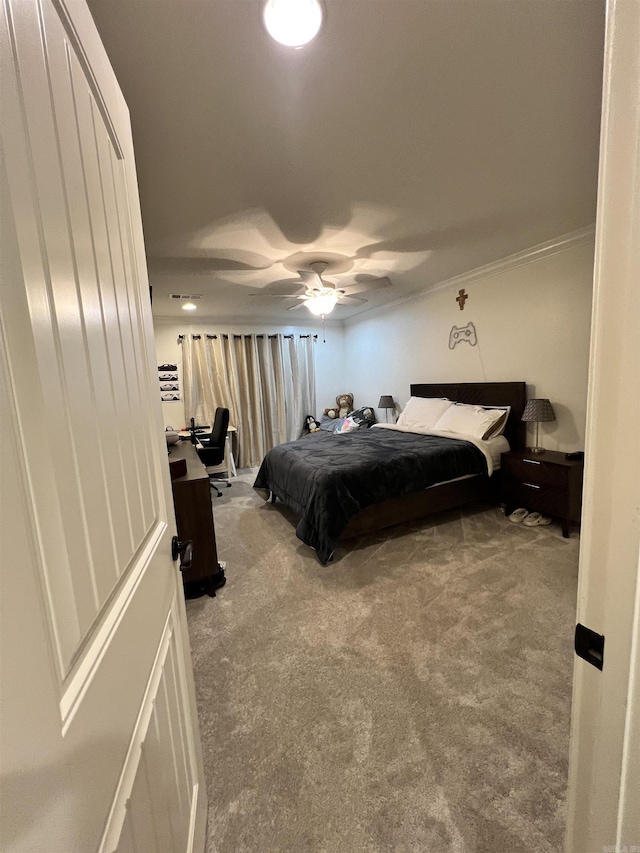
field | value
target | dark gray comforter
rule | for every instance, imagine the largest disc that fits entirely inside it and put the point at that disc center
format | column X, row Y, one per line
column 326, row 478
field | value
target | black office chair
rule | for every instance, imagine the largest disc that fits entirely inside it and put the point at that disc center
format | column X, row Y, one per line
column 212, row 451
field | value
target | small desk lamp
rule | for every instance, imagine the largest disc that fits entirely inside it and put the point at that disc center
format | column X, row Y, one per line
column 537, row 411
column 386, row 403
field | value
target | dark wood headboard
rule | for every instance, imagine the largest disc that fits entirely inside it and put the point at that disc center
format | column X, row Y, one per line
column 512, row 394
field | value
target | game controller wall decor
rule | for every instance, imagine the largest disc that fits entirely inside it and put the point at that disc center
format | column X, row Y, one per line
column 463, row 333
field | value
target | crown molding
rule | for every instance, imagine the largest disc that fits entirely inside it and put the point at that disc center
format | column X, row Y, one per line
column 519, row 259
column 217, row 322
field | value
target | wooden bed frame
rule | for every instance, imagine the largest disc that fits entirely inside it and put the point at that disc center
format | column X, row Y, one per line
column 460, row 492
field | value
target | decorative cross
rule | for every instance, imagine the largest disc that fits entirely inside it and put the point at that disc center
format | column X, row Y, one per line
column 461, row 298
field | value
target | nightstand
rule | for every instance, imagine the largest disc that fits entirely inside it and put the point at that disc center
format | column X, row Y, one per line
column 546, row 482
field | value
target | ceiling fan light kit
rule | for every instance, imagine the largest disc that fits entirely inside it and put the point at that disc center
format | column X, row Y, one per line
column 293, row 23
column 319, row 298
column 323, row 303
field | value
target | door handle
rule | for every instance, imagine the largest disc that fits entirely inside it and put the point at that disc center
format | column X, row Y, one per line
column 184, row 550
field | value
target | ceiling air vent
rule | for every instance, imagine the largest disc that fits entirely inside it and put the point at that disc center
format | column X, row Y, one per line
column 185, row 296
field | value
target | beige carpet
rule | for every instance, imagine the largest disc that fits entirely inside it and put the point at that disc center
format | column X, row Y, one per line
column 412, row 696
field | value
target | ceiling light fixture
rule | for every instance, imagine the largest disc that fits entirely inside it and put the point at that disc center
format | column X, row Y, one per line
column 189, row 306
column 293, row 23
column 323, row 303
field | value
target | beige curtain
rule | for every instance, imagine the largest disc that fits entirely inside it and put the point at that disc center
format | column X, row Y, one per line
column 266, row 381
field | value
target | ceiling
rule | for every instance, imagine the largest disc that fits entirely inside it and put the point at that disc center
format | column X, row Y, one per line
column 418, row 139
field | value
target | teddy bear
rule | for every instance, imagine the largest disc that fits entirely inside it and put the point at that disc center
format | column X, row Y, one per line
column 344, row 405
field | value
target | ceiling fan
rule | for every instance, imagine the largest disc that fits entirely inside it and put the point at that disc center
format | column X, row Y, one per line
column 321, row 296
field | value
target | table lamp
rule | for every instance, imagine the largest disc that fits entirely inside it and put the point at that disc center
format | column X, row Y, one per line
column 386, row 403
column 538, row 410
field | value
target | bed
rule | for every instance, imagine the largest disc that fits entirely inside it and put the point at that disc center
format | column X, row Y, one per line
column 348, row 485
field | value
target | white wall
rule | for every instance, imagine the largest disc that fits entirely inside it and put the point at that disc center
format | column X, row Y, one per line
column 532, row 324
column 329, row 356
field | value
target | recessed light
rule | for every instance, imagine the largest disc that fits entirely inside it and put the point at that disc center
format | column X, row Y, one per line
column 189, row 306
column 293, row 22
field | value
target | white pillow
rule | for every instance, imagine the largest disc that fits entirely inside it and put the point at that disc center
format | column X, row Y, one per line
column 500, row 425
column 474, row 421
column 423, row 412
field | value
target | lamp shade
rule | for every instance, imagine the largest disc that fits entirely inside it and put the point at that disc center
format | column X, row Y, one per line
column 538, row 410
column 386, row 402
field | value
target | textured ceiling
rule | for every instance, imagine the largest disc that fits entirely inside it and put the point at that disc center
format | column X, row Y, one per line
column 413, row 138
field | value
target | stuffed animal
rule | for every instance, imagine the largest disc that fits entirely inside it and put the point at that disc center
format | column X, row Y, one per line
column 345, row 404
column 310, row 425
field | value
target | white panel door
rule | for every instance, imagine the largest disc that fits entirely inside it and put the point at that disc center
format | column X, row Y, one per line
column 100, row 749
column 604, row 770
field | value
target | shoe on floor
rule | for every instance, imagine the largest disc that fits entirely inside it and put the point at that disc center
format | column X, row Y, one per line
column 535, row 518
column 518, row 515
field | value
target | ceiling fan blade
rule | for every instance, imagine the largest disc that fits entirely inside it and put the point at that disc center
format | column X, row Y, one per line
column 281, row 295
column 341, row 301
column 362, row 286
column 310, row 279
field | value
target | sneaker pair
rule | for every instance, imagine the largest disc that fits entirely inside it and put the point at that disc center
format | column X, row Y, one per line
column 529, row 519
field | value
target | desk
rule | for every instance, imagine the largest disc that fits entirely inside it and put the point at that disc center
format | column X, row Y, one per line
column 228, row 464
column 194, row 515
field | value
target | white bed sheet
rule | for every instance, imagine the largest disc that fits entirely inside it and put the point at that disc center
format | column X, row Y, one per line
column 491, row 449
